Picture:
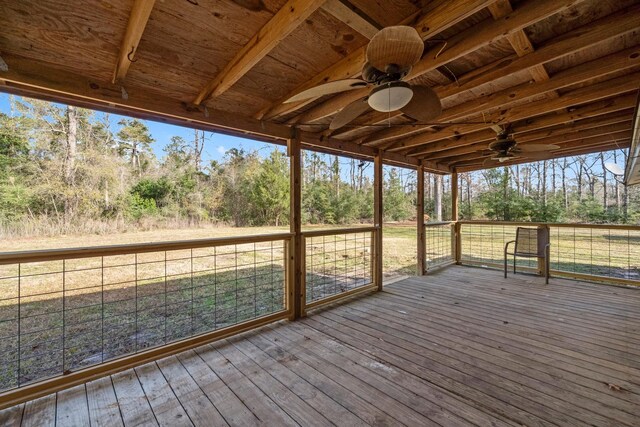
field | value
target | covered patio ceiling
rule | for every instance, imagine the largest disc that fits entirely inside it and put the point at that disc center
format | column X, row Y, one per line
column 564, row 72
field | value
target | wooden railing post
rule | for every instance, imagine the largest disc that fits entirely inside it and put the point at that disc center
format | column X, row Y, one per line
column 422, row 248
column 295, row 287
column 377, row 217
column 456, row 238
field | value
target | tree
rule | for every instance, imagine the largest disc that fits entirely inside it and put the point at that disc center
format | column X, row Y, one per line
column 270, row 191
column 134, row 142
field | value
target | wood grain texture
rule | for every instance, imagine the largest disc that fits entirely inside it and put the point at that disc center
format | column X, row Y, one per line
column 135, row 27
column 279, row 27
column 460, row 346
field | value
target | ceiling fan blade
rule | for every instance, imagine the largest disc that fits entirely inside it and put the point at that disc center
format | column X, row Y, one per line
column 395, row 49
column 349, row 113
column 490, row 162
column 424, row 105
column 328, row 89
column 535, row 148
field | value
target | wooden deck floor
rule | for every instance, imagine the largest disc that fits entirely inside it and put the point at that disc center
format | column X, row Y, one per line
column 462, row 346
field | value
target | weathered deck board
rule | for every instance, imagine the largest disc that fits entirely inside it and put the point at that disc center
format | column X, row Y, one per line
column 462, row 346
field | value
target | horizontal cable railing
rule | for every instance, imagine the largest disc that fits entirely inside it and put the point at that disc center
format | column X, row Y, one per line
column 439, row 244
column 62, row 311
column 337, row 263
column 597, row 252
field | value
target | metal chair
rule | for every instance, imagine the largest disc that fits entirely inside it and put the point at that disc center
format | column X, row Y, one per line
column 530, row 243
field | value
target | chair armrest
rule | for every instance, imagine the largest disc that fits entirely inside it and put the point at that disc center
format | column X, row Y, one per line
column 506, row 245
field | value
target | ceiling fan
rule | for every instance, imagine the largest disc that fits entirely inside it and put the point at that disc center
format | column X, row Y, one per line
column 505, row 148
column 389, row 57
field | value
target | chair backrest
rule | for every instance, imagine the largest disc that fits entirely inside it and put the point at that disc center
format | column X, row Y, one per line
column 527, row 241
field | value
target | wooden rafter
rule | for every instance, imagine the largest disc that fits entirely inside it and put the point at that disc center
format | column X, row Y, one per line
column 574, row 148
column 520, row 42
column 137, row 22
column 22, row 78
column 559, row 135
column 581, row 38
column 428, row 22
column 607, row 110
column 476, row 37
column 596, row 99
column 603, row 66
column 264, row 41
column 346, row 12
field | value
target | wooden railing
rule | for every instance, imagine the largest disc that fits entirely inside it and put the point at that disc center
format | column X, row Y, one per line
column 439, row 244
column 594, row 252
column 70, row 315
column 338, row 263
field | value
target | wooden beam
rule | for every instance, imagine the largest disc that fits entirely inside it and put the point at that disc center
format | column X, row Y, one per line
column 520, row 42
column 584, row 139
column 432, row 20
column 597, row 126
column 297, row 295
column 472, row 39
column 32, row 78
column 477, row 164
column 378, row 181
column 501, row 100
column 264, row 41
column 26, row 77
column 450, row 136
column 536, row 108
column 319, row 142
column 137, row 22
column 345, row 11
column 421, row 253
column 604, row 29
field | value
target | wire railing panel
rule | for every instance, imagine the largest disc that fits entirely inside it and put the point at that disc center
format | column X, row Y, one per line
column 612, row 253
column 337, row 262
column 592, row 252
column 439, row 244
column 62, row 315
column 483, row 244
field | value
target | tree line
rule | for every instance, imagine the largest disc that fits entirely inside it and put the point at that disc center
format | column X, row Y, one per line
column 70, row 170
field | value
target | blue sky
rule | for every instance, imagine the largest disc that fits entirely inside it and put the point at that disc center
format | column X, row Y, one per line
column 215, row 144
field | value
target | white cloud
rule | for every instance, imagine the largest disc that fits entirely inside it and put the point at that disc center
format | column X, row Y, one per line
column 221, row 150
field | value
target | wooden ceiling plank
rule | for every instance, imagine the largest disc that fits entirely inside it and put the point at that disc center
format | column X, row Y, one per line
column 135, row 28
column 604, row 93
column 427, row 22
column 584, row 37
column 287, row 19
column 603, row 66
column 345, row 11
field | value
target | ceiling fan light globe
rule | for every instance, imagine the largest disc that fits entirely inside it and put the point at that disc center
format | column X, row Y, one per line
column 390, row 97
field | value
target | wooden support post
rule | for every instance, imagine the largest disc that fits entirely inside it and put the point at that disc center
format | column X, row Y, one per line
column 422, row 248
column 296, row 282
column 456, row 241
column 378, row 179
